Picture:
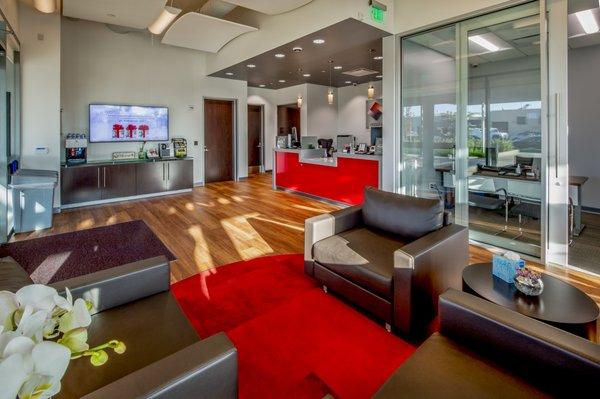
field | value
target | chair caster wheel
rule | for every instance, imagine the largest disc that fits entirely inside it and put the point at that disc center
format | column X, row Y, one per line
column 325, row 289
column 388, row 327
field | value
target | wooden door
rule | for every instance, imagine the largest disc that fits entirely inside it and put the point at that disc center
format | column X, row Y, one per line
column 218, row 140
column 254, row 138
column 118, row 181
column 151, row 177
column 80, row 184
column 180, row 175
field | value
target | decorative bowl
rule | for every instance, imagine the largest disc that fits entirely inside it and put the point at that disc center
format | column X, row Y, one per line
column 529, row 282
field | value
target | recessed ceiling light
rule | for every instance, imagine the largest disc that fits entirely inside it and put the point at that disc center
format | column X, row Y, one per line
column 379, row 76
column 297, row 49
column 229, row 73
column 483, row 42
column 378, row 58
column 306, row 75
column 279, row 55
column 347, row 82
column 588, row 21
column 281, row 80
column 251, row 66
column 337, row 67
column 318, row 41
column 261, row 85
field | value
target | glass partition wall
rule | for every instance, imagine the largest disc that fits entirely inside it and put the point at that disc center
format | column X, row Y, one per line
column 471, row 124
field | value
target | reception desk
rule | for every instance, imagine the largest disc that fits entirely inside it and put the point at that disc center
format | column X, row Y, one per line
column 341, row 178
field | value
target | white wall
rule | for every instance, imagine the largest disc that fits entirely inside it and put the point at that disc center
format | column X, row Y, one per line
column 322, row 116
column 584, row 129
column 278, row 30
column 99, row 65
column 40, row 69
column 352, row 110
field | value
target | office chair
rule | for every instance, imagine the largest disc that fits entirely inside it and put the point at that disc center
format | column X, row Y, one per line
column 479, row 191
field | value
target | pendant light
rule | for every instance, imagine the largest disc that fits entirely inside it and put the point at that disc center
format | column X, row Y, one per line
column 45, row 6
column 299, row 100
column 330, row 91
column 168, row 15
column 371, row 89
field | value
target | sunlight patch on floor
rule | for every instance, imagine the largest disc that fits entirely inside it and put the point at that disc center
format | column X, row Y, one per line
column 311, row 208
column 85, row 224
column 295, row 226
column 223, row 201
column 247, row 241
column 202, row 256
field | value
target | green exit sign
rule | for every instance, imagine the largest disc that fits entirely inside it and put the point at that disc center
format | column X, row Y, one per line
column 377, row 14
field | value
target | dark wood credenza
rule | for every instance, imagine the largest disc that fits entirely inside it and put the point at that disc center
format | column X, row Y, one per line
column 105, row 181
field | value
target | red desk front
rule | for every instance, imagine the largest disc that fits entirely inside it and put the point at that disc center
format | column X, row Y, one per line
column 342, row 183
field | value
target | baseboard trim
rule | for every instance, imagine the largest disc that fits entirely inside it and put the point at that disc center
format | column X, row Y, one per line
column 590, row 209
column 123, row 199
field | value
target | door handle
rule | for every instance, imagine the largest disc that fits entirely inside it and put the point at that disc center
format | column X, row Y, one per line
column 104, row 173
column 556, row 128
column 259, row 145
column 205, row 149
column 98, row 177
column 163, row 165
column 169, row 171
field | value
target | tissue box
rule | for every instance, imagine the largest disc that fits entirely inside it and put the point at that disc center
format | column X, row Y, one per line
column 506, row 269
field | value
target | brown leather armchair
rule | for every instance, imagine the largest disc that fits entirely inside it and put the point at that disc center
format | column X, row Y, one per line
column 165, row 358
column 486, row 351
column 393, row 255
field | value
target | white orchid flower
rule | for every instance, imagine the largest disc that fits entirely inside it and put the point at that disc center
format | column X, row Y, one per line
column 79, row 316
column 38, row 296
column 13, row 373
column 64, row 303
column 8, row 305
column 50, row 362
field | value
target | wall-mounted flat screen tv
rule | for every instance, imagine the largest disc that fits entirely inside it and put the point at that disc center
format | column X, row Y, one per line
column 124, row 123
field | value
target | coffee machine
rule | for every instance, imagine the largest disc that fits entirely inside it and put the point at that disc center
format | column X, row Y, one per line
column 164, row 150
column 76, row 148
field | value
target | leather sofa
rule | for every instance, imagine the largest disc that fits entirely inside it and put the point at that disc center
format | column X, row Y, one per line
column 164, row 357
column 486, row 351
column 393, row 256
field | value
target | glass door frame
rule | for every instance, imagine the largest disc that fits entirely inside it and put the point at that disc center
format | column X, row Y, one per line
column 553, row 74
column 462, row 152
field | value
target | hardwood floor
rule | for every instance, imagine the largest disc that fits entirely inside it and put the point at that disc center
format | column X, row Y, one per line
column 231, row 221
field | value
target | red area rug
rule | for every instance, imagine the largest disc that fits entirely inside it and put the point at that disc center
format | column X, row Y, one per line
column 293, row 340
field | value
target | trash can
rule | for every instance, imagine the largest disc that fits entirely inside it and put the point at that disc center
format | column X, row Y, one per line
column 33, row 199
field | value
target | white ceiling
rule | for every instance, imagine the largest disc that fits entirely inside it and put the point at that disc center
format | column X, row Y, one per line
column 270, row 7
column 138, row 14
column 203, row 32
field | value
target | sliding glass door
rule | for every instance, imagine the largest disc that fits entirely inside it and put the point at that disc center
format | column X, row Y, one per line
column 472, row 125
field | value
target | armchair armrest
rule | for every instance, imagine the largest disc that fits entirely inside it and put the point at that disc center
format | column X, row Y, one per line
column 423, row 270
column 120, row 285
column 206, row 369
column 320, row 227
column 544, row 353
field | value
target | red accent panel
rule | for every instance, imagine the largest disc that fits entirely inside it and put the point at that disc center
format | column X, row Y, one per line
column 344, row 183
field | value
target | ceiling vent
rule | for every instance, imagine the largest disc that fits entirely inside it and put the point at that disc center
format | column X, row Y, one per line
column 358, row 72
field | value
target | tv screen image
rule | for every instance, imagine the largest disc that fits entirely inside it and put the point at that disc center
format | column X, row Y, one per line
column 123, row 123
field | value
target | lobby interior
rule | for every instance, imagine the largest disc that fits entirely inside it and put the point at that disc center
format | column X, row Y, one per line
column 303, row 199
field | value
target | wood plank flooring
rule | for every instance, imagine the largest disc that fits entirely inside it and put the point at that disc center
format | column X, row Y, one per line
column 231, row 221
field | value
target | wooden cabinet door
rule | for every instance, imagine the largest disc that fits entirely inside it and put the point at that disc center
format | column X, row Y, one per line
column 151, row 177
column 180, row 175
column 80, row 184
column 118, row 181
